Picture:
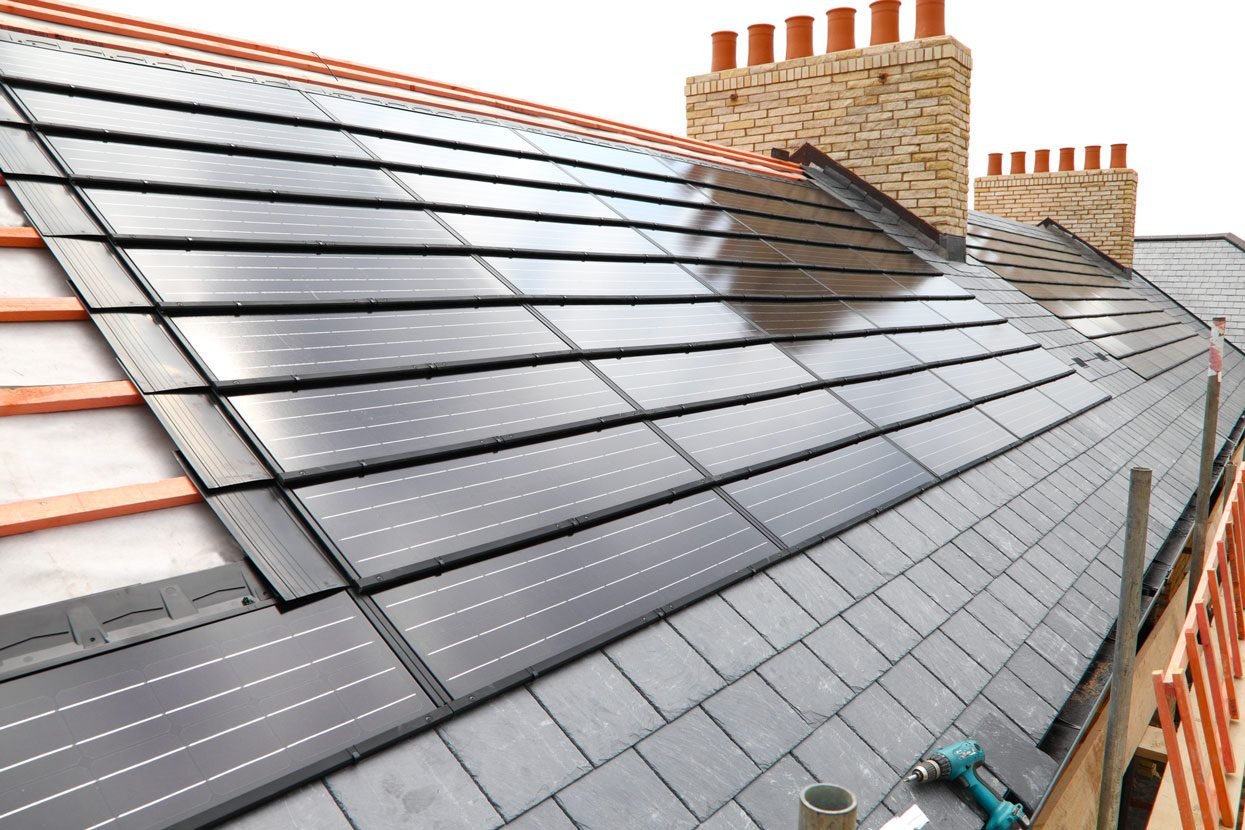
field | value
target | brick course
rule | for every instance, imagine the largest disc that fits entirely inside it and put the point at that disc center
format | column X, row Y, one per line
column 1100, row 206
column 896, row 114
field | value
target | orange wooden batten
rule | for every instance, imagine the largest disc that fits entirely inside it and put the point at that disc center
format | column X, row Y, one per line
column 40, row 309
column 20, row 238
column 75, row 508
column 31, row 400
column 1210, row 653
column 76, row 16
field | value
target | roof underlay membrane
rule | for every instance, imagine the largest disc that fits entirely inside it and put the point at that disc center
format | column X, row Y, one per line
column 478, row 397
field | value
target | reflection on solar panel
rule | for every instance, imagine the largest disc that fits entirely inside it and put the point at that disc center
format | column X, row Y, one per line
column 159, row 732
column 1076, row 286
column 527, row 389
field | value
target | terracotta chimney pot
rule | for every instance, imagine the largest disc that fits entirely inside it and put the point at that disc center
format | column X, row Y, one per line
column 1119, row 156
column 1093, row 157
column 1041, row 161
column 884, row 27
column 930, row 18
column 1067, row 158
column 994, row 167
column 760, row 44
column 724, row 51
column 799, row 37
column 840, row 29
column 1018, row 162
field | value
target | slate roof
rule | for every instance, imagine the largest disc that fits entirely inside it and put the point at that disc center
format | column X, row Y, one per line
column 1205, row 274
column 971, row 608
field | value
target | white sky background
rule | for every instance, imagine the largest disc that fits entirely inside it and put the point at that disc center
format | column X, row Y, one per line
column 1167, row 78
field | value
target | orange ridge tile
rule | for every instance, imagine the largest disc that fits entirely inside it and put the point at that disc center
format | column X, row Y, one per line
column 76, row 508
column 32, row 400
column 40, row 309
column 20, row 238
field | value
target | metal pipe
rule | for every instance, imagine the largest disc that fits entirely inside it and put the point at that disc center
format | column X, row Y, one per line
column 827, row 807
column 1210, row 423
column 1115, row 751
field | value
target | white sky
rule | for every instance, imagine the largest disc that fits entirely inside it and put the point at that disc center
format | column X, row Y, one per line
column 1167, row 78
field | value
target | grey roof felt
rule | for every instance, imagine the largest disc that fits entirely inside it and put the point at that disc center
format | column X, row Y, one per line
column 1205, row 274
column 972, row 609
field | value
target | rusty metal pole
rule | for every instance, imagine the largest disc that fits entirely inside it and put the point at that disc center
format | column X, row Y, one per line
column 1210, row 423
column 827, row 807
column 1115, row 751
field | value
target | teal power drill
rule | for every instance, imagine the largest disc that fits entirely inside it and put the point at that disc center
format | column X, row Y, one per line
column 958, row 762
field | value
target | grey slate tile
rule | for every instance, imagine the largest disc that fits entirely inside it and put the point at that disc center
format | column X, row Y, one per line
column 923, row 694
column 999, row 619
column 546, row 815
column 937, row 651
column 1056, row 651
column 721, row 636
column 846, row 567
column 933, row 579
column 905, row 536
column 730, row 817
column 982, row 552
column 960, row 567
column 597, row 707
column 769, row 610
column 879, row 551
column 967, row 632
column 1020, row 703
column 669, row 672
column 622, row 795
column 893, row 732
column 1000, row 538
column 697, row 760
column 937, row 527
column 515, row 751
column 310, row 807
column 1018, row 764
column 758, row 719
column 380, row 790
column 942, row 805
column 1018, row 526
column 804, row 580
column 1040, row 676
column 1018, row 599
column 1034, row 581
column 877, row 819
column 912, row 605
column 881, row 626
column 772, row 801
column 848, row 654
column 835, row 753
column 805, row 682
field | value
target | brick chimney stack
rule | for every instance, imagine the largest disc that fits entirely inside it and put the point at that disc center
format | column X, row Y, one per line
column 894, row 112
column 1099, row 205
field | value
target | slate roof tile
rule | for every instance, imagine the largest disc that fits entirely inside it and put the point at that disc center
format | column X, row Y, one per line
column 804, row 580
column 1039, row 675
column 758, row 719
column 912, row 605
column 379, row 791
column 770, row 610
column 1023, row 705
column 851, row 657
column 669, row 672
column 810, row 687
column 622, row 795
column 547, row 815
column 876, row 549
column 982, row 552
column 846, row 567
column 974, row 638
column 722, row 636
column 772, row 800
column 597, row 707
column 697, row 760
column 933, row 579
column 957, row 563
column 894, row 733
column 882, row 627
column 730, row 817
column 515, row 751
column 922, row 693
column 835, row 753
column 310, row 807
column 938, row 651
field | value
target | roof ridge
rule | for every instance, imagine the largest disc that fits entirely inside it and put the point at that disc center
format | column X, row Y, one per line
column 65, row 14
column 1194, row 237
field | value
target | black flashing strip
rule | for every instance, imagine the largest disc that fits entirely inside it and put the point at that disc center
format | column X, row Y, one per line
column 97, row 274
column 1113, row 263
column 421, row 370
column 82, row 627
column 716, row 482
column 147, row 353
column 213, row 447
column 328, row 472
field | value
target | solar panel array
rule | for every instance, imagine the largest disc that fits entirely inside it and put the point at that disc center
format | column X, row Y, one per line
column 526, row 390
column 1075, row 286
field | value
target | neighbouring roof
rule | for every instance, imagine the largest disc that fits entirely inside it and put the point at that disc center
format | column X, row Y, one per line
column 568, row 462
column 1205, row 274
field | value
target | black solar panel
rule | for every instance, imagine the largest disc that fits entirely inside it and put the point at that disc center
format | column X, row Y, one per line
column 761, row 282
column 561, row 237
column 946, row 445
column 620, row 326
column 444, row 190
column 416, row 517
column 892, row 400
column 570, row 278
column 485, row 622
column 818, row 318
column 670, row 379
column 425, row 125
column 851, row 357
column 154, row 734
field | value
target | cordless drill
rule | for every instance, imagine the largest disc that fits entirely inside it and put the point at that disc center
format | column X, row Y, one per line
column 958, row 762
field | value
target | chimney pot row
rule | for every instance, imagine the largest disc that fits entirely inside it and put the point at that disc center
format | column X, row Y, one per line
column 840, row 32
column 1067, row 160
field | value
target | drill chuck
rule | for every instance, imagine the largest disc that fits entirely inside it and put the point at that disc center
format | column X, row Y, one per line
column 930, row 769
